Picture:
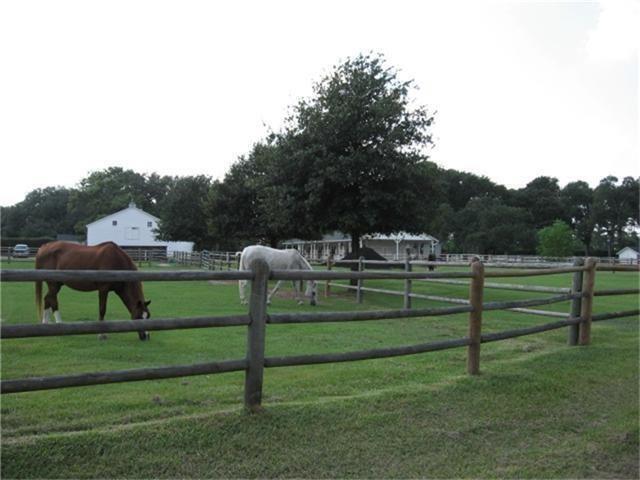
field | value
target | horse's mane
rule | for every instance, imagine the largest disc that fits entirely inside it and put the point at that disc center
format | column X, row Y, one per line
column 304, row 261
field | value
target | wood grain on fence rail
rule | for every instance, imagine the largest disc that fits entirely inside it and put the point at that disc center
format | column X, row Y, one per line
column 363, row 354
column 519, row 332
column 370, row 275
column 611, row 315
column 514, row 306
column 120, row 275
column 117, row 326
column 503, row 286
column 533, row 273
column 621, row 291
column 84, row 379
column 322, row 317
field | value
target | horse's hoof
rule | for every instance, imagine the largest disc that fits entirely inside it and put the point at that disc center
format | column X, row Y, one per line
column 102, row 336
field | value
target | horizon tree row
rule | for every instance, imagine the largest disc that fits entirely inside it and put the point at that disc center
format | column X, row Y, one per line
column 351, row 157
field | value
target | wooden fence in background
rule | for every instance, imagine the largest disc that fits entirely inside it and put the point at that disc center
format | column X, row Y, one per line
column 578, row 320
column 207, row 260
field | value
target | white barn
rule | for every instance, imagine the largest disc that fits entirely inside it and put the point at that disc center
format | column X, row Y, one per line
column 132, row 228
column 628, row 255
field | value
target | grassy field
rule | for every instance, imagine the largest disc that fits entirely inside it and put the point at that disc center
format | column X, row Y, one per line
column 539, row 408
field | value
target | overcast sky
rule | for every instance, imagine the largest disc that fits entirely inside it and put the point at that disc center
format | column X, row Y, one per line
column 521, row 89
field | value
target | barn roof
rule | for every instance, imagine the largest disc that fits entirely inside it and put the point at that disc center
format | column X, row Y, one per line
column 628, row 249
column 132, row 206
column 339, row 236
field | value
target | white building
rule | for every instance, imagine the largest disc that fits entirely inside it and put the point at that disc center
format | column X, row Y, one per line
column 628, row 255
column 132, row 228
column 392, row 247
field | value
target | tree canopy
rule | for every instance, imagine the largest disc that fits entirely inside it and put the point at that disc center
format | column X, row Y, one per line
column 354, row 149
column 556, row 240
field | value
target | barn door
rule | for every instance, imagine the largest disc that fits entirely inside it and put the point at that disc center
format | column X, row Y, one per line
column 132, row 233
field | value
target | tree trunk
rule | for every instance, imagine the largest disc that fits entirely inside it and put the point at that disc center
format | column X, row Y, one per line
column 355, row 244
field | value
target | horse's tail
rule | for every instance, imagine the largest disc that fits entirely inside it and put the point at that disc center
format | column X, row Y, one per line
column 39, row 299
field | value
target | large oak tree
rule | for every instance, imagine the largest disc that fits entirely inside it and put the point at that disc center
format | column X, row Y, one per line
column 353, row 149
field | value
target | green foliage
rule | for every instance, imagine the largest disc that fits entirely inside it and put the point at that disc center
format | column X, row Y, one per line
column 577, row 198
column 486, row 225
column 615, row 208
column 460, row 187
column 107, row 191
column 183, row 214
column 254, row 203
column 354, row 148
column 556, row 240
column 541, row 197
column 43, row 212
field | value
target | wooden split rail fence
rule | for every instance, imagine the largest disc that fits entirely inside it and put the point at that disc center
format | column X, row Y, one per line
column 207, row 260
column 578, row 320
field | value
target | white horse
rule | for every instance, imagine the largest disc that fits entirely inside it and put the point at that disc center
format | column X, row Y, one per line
column 277, row 260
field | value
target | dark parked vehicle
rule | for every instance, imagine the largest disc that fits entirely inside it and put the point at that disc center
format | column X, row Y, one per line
column 21, row 250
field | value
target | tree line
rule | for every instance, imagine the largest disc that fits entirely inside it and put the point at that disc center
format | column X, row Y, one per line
column 351, row 157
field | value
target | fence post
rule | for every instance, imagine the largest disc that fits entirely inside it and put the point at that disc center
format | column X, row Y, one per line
column 256, row 336
column 476, row 292
column 407, row 283
column 360, row 282
column 587, row 301
column 228, row 263
column 327, row 286
column 576, row 303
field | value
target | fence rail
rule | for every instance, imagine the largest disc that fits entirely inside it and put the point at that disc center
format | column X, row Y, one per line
column 207, row 260
column 578, row 320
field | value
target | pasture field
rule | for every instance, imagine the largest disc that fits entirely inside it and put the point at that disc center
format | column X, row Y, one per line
column 539, row 409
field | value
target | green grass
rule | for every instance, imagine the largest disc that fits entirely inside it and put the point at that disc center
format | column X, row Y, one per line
column 539, row 408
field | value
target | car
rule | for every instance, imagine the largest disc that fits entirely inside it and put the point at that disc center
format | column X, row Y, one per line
column 21, row 250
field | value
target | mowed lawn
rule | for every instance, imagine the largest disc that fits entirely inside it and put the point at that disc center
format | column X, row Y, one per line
column 538, row 409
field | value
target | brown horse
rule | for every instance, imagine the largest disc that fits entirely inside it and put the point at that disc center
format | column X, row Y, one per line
column 105, row 256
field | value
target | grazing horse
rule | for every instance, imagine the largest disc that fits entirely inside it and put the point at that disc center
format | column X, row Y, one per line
column 105, row 256
column 277, row 260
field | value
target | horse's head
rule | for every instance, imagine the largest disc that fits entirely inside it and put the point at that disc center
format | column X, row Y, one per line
column 141, row 312
column 311, row 291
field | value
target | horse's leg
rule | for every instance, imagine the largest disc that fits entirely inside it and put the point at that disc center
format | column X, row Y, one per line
column 273, row 292
column 51, row 302
column 297, row 290
column 103, row 293
column 242, row 285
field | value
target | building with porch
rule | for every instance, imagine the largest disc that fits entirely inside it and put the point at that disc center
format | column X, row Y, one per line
column 391, row 247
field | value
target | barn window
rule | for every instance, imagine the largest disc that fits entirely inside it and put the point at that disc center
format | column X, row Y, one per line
column 149, row 224
column 114, row 223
